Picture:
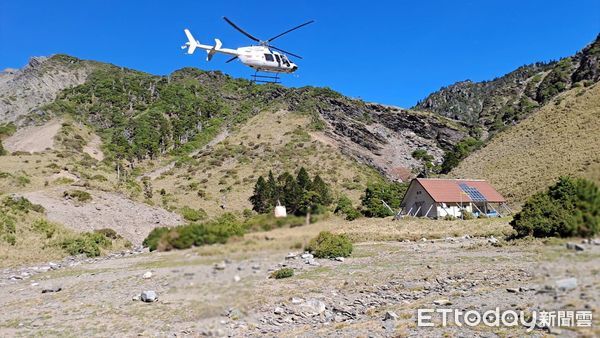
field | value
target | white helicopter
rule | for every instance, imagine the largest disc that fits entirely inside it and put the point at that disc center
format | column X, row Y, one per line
column 260, row 57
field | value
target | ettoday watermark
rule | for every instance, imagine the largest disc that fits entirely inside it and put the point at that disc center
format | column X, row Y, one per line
column 507, row 318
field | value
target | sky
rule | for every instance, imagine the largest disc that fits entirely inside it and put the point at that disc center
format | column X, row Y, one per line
column 392, row 52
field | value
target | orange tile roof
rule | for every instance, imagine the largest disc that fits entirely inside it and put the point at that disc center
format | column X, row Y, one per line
column 448, row 190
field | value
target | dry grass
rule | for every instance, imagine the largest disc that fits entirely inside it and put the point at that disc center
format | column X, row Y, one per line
column 559, row 139
column 276, row 141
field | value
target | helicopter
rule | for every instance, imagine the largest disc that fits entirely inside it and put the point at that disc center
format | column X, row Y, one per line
column 262, row 57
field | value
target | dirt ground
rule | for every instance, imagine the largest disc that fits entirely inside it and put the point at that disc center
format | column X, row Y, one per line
column 33, row 139
column 224, row 290
column 132, row 220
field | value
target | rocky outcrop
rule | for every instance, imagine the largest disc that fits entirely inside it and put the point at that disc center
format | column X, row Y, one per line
column 506, row 100
column 24, row 91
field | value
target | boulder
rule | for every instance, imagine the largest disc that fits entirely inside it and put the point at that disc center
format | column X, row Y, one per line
column 149, row 296
column 566, row 284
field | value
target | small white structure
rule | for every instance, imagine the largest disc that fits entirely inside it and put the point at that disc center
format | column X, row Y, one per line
column 280, row 211
column 438, row 198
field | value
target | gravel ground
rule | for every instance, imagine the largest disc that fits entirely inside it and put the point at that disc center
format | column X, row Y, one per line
column 200, row 293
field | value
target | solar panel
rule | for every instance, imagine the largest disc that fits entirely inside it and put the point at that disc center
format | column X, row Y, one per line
column 473, row 193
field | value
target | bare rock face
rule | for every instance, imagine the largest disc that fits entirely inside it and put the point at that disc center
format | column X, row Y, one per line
column 25, row 90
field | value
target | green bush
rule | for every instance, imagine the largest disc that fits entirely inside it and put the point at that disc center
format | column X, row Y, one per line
column 44, row 227
column 569, row 208
column 391, row 193
column 282, row 273
column 269, row 222
column 21, row 204
column 328, row 245
column 87, row 243
column 108, row 233
column 79, row 195
column 344, row 207
column 193, row 215
column 2, row 150
column 449, row 218
column 460, row 151
column 467, row 215
column 153, row 238
column 196, row 234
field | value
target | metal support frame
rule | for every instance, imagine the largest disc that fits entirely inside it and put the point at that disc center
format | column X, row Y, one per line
column 419, row 209
column 507, row 208
column 428, row 210
column 498, row 212
column 256, row 78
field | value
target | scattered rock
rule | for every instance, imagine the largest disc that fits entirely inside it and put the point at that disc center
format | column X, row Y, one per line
column 147, row 275
column 51, row 289
column 220, row 266
column 566, row 284
column 278, row 311
column 296, row 300
column 237, row 278
column 442, row 301
column 575, row 246
column 256, row 267
column 339, row 259
column 312, row 262
column 313, row 307
column 423, row 239
column 390, row 315
column 512, row 290
column 492, row 240
column 291, row 255
column 149, row 296
column 306, row 255
column 136, row 297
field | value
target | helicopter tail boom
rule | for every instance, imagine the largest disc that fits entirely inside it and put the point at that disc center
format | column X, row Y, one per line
column 192, row 44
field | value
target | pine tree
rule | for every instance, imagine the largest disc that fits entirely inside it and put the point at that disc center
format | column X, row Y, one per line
column 303, row 179
column 260, row 198
column 291, row 193
column 320, row 187
column 272, row 190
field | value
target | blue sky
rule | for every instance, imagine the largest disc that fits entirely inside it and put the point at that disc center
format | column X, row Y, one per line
column 393, row 52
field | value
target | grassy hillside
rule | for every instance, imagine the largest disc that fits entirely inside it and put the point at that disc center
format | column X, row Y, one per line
column 225, row 174
column 559, row 139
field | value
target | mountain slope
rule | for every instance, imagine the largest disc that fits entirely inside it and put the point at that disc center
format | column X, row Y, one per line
column 23, row 91
column 559, row 139
column 141, row 116
column 496, row 104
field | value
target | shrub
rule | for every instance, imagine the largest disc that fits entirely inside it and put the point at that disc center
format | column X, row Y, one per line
column 269, row 221
column 108, row 233
column 79, row 195
column 391, row 193
column 282, row 273
column 460, row 151
column 449, row 218
column 2, row 150
column 44, row 227
column 88, row 243
column 21, row 204
column 569, row 208
column 151, row 241
column 328, row 245
column 196, row 234
column 193, row 215
column 344, row 207
column 467, row 215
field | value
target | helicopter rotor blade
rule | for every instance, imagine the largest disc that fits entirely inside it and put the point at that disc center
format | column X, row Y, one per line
column 241, row 30
column 290, row 30
column 233, row 58
column 286, row 52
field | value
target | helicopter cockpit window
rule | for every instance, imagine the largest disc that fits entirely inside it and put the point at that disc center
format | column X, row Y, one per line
column 269, row 57
column 277, row 58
